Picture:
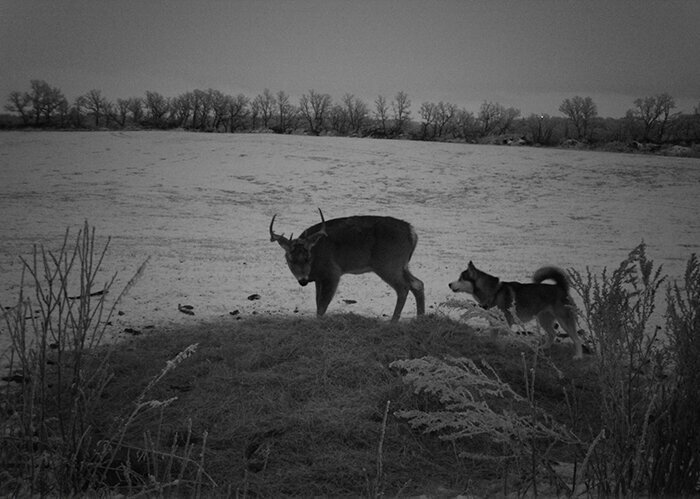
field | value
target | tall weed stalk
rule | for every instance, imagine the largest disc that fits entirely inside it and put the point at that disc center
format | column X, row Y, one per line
column 59, row 320
column 618, row 308
column 676, row 454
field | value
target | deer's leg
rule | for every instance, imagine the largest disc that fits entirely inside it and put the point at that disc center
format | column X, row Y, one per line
column 401, row 294
column 401, row 288
column 417, row 289
column 325, row 290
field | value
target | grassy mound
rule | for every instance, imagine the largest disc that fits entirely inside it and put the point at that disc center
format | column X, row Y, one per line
column 294, row 406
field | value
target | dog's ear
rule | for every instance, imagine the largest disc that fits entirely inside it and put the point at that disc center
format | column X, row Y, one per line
column 471, row 265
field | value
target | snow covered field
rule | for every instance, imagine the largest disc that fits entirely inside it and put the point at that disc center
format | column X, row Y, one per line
column 200, row 204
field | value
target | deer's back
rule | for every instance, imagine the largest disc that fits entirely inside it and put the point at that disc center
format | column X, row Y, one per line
column 359, row 243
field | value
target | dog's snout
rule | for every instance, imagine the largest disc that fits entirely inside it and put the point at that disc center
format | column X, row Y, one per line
column 461, row 286
column 303, row 282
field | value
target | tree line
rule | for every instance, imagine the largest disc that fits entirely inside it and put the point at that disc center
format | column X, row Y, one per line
column 651, row 119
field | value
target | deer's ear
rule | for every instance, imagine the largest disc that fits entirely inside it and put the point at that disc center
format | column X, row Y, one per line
column 313, row 239
column 285, row 244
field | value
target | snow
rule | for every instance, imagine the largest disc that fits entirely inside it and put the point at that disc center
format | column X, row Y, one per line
column 199, row 205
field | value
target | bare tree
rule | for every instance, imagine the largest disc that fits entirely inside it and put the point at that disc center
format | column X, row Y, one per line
column 79, row 106
column 200, row 109
column 122, row 111
column 202, row 101
column 401, row 107
column 181, row 108
column 489, row 115
column 285, row 111
column 157, row 107
column 45, row 100
column 540, row 128
column 381, row 112
column 684, row 127
column 236, row 111
column 18, row 102
column 654, row 111
column 444, row 116
column 266, row 103
column 347, row 107
column 254, row 113
column 109, row 113
column 96, row 104
column 206, row 106
column 338, row 118
column 219, row 106
column 136, row 109
column 581, row 111
column 63, row 111
column 465, row 124
column 356, row 111
column 427, row 115
column 506, row 119
column 37, row 96
column 314, row 108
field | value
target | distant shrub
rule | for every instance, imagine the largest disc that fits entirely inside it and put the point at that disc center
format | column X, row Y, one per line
column 615, row 146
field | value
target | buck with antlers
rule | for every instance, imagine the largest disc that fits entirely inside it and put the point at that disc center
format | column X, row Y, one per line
column 354, row 245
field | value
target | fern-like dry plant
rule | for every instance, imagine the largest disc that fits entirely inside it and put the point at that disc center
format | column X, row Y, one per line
column 476, row 406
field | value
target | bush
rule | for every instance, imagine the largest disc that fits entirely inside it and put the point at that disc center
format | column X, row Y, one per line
column 618, row 308
column 475, row 403
column 675, row 454
column 46, row 421
column 50, row 443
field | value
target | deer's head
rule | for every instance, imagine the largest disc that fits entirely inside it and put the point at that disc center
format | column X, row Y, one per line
column 298, row 251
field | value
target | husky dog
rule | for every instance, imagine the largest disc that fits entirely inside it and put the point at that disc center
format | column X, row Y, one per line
column 546, row 302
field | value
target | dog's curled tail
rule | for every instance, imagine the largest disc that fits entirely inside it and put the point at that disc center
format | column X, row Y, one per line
column 555, row 274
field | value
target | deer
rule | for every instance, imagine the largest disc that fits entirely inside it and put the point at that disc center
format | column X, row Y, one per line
column 354, row 245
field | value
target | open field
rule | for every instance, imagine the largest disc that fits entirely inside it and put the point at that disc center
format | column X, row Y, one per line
column 199, row 205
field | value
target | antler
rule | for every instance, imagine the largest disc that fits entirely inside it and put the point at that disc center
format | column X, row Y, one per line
column 323, row 222
column 286, row 243
column 310, row 241
column 283, row 241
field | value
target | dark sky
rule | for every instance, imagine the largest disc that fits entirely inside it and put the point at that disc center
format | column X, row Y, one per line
column 529, row 54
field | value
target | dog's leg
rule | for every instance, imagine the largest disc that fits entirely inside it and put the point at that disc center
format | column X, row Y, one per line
column 547, row 320
column 569, row 325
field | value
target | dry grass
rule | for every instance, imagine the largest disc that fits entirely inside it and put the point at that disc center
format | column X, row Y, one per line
column 296, row 406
